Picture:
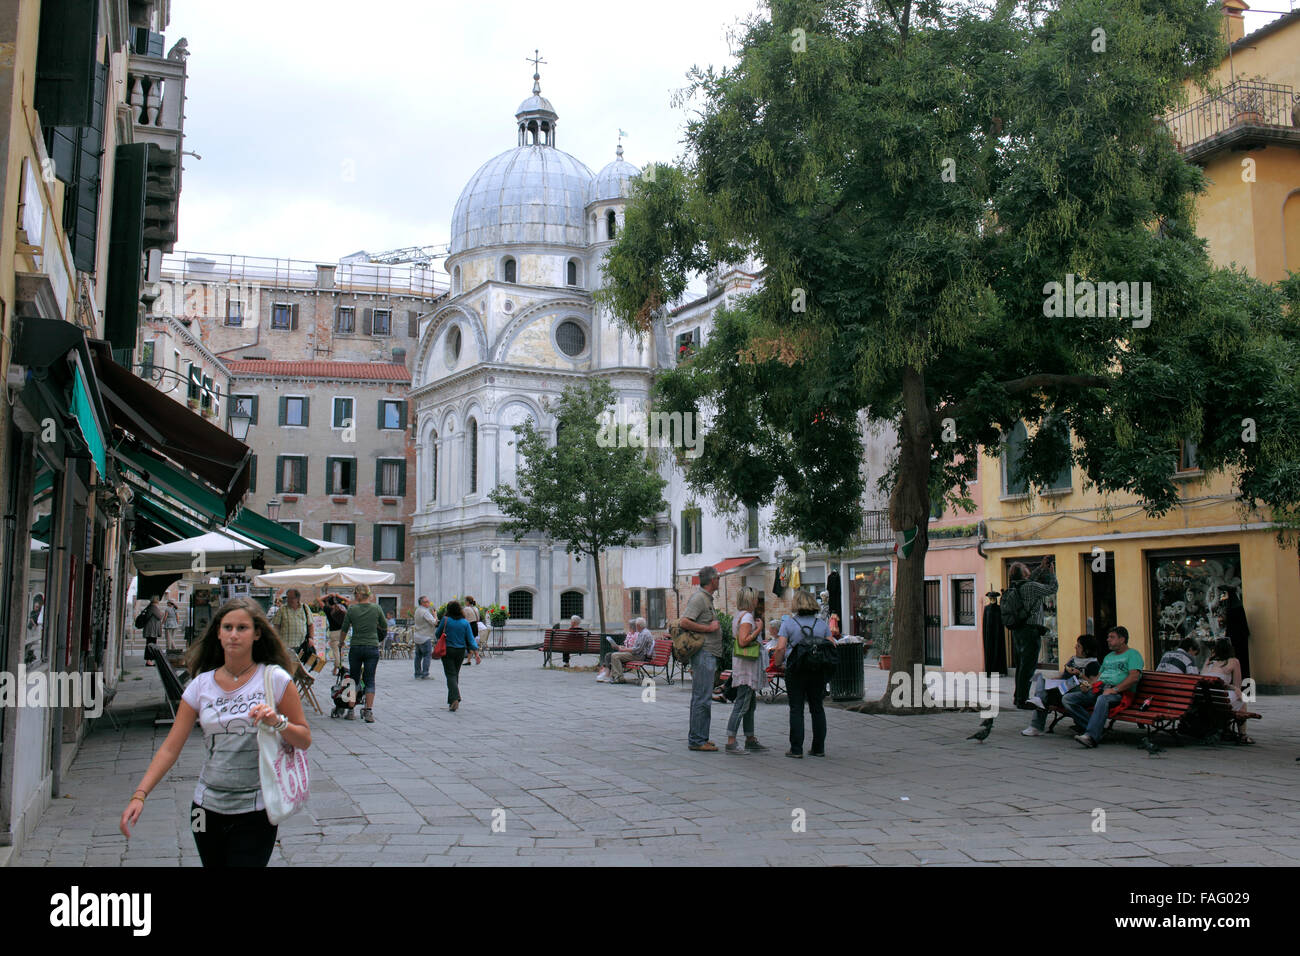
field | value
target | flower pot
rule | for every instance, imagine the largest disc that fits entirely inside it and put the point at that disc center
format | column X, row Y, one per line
column 885, row 661
column 1248, row 117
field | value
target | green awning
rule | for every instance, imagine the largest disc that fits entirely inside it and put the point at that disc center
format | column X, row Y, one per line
column 175, row 483
column 83, row 409
column 43, row 485
column 277, row 537
column 160, row 513
column 41, row 529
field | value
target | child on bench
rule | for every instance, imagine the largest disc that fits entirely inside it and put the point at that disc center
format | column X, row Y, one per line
column 1044, row 693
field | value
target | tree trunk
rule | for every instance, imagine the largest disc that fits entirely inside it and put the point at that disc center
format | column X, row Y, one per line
column 909, row 507
column 600, row 589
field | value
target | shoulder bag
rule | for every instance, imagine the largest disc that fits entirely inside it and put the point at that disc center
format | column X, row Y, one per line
column 281, row 767
column 686, row 644
column 750, row 650
column 440, row 645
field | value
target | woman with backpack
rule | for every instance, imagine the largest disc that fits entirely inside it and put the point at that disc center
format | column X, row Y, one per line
column 804, row 680
column 336, row 613
column 150, row 623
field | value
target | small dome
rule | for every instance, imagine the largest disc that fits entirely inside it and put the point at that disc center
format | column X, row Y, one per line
column 525, row 195
column 535, row 104
column 613, row 182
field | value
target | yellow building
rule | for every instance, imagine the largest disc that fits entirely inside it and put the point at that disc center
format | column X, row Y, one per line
column 1166, row 578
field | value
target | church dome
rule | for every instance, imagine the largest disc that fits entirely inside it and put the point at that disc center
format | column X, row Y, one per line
column 533, row 193
column 613, row 182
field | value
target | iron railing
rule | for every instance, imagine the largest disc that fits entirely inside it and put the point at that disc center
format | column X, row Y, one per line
column 875, row 528
column 368, row 277
column 1242, row 103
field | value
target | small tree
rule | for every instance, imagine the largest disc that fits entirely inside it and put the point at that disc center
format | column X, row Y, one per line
column 583, row 490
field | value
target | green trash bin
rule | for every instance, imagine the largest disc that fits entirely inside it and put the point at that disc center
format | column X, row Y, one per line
column 847, row 678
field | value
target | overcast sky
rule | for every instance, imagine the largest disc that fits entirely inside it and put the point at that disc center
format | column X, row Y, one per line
column 323, row 131
column 327, row 127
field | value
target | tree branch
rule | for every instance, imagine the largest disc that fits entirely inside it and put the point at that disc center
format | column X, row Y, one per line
column 1028, row 383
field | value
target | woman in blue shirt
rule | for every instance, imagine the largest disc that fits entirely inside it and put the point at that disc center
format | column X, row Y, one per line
column 803, row 688
column 460, row 641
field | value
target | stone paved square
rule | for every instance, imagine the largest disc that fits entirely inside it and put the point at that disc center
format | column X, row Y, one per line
column 582, row 773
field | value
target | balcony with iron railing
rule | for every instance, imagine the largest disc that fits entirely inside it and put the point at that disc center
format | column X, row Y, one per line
column 1244, row 113
column 875, row 528
column 155, row 97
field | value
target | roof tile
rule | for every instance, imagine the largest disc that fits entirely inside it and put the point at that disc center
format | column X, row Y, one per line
column 383, row 371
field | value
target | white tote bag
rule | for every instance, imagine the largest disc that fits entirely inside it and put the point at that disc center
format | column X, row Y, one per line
column 282, row 768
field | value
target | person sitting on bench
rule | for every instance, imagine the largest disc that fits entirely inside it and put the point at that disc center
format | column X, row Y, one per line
column 1182, row 659
column 1120, row 672
column 1044, row 693
column 575, row 624
column 638, row 647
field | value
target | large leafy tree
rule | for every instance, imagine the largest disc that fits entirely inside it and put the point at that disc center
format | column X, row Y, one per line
column 912, row 177
column 584, row 490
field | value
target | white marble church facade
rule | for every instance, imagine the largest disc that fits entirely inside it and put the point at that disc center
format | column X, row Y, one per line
column 529, row 234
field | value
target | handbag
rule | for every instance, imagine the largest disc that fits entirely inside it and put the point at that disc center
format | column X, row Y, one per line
column 281, row 767
column 440, row 646
column 749, row 651
column 686, row 644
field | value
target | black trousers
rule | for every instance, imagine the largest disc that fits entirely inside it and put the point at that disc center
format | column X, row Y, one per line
column 451, row 669
column 1026, row 643
column 801, row 690
column 232, row 839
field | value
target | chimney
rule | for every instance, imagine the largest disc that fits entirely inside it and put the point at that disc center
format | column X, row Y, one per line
column 325, row 277
column 399, row 356
column 1236, row 24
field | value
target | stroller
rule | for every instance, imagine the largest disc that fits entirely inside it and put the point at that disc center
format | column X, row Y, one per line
column 344, row 694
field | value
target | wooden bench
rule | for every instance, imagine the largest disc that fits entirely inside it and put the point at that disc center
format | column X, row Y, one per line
column 567, row 641
column 660, row 662
column 1161, row 700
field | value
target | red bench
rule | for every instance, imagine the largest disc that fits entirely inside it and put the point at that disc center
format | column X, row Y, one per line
column 1161, row 701
column 660, row 662
column 567, row 641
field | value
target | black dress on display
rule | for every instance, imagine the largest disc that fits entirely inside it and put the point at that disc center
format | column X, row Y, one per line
column 995, row 647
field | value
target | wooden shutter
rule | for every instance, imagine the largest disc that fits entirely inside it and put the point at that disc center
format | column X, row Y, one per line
column 375, row 545
column 352, row 476
column 401, row 479
column 284, row 409
column 401, row 542
column 412, row 323
column 279, row 473
column 252, row 411
column 401, row 414
column 126, row 246
column 380, row 422
column 367, row 320
column 252, row 473
column 379, row 476
column 686, row 533
column 82, row 209
column 329, row 475
column 302, row 474
column 65, row 62
column 306, row 406
column 293, row 316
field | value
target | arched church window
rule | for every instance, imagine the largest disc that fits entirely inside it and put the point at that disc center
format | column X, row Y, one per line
column 455, row 281
column 433, row 468
column 611, row 224
column 453, row 345
column 520, row 605
column 572, row 271
column 473, row 456
column 508, row 270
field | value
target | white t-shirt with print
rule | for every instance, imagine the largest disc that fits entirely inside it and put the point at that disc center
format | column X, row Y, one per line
column 229, row 781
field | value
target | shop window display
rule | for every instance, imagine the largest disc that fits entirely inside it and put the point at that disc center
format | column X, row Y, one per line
column 1188, row 596
column 872, row 600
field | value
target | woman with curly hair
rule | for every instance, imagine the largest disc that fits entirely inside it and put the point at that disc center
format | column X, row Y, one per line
column 227, row 696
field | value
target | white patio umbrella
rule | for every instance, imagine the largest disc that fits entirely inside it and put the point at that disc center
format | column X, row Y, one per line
column 219, row 548
column 323, row 577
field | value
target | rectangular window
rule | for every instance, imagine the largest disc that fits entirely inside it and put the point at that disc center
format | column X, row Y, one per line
column 207, row 392
column 657, row 608
column 1013, row 452
column 234, row 312
column 293, row 410
column 635, row 594
column 291, row 474
column 146, row 359
column 1188, row 460
column 246, row 404
column 687, row 343
column 294, row 526
column 963, row 602
column 282, row 316
column 392, row 413
column 390, row 477
column 340, row 532
column 383, row 322
column 692, row 540
column 252, row 473
column 389, row 541
column 345, row 320
column 343, row 417
column 387, row 604
column 195, row 379
column 341, row 476
column 752, row 527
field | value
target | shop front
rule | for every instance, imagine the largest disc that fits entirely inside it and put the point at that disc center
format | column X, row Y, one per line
column 871, row 600
column 1197, row 593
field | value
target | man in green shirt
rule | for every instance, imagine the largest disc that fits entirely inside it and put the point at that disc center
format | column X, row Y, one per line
column 1120, row 672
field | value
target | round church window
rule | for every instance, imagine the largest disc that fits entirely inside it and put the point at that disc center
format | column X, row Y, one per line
column 453, row 345
column 571, row 338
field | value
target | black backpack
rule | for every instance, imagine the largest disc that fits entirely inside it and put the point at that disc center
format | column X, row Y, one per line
column 1015, row 614
column 142, row 618
column 813, row 655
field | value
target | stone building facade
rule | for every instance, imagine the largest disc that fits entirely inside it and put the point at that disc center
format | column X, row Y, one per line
column 332, row 445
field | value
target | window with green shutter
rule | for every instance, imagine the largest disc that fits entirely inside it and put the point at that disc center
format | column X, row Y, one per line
column 392, row 413
column 293, row 410
column 65, row 61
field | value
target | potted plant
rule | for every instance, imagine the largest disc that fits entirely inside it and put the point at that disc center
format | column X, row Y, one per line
column 880, row 624
column 1248, row 101
column 497, row 614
